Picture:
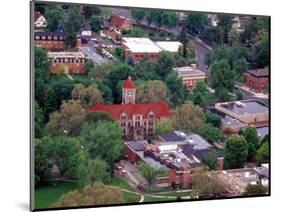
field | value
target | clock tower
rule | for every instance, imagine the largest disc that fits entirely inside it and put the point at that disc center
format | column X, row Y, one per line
column 129, row 92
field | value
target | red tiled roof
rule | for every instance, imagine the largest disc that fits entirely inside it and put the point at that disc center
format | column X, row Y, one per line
column 129, row 84
column 160, row 109
column 38, row 15
column 118, row 21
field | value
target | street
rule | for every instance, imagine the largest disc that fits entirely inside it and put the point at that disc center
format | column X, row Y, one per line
column 91, row 53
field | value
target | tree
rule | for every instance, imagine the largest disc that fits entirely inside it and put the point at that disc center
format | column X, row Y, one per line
column 211, row 133
column 50, row 103
column 91, row 170
column 101, row 71
column 166, row 63
column 263, row 52
column 138, row 14
column 240, row 66
column 200, row 87
column 196, row 22
column 93, row 117
column 206, row 184
column 214, row 120
column 94, row 194
column 38, row 120
column 55, row 18
column 68, row 121
column 233, row 36
column 60, row 151
column 95, row 23
column 75, row 18
column 87, row 96
column 140, row 70
column 236, row 152
column 263, row 153
column 103, row 139
column 257, row 189
column 248, row 36
column 150, row 173
column 177, row 89
column 163, row 127
column 222, row 76
column 198, row 99
column 252, row 138
column 224, row 25
column 211, row 160
column 90, row 10
column 71, row 38
column 188, row 117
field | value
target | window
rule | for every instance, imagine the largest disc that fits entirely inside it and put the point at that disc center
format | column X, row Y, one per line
column 43, row 37
column 123, row 116
column 49, row 37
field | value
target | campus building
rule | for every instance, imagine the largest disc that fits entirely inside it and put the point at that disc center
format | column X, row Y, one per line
column 67, row 62
column 257, row 80
column 178, row 152
column 190, row 75
column 49, row 40
column 137, row 121
column 140, row 48
column 120, row 23
column 249, row 112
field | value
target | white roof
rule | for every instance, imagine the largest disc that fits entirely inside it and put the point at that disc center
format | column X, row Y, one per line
column 170, row 46
column 141, row 45
column 65, row 55
column 188, row 71
column 86, row 33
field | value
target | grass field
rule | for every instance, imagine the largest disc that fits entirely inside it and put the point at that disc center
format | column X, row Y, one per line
column 47, row 195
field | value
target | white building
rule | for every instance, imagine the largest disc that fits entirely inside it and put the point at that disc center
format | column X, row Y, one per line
column 40, row 20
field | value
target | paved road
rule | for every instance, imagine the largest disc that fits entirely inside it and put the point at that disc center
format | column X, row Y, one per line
column 91, row 53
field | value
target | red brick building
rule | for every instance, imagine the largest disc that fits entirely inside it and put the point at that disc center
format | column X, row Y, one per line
column 49, row 40
column 120, row 23
column 257, row 80
column 67, row 62
column 137, row 121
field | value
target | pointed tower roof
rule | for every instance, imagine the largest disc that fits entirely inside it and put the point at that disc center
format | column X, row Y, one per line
column 129, row 84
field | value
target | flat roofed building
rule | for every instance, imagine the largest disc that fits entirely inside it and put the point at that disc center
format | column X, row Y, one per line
column 248, row 111
column 67, row 62
column 49, row 40
column 190, row 75
column 257, row 80
column 139, row 48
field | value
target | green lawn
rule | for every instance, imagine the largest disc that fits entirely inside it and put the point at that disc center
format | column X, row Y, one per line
column 121, row 183
column 47, row 195
column 156, row 199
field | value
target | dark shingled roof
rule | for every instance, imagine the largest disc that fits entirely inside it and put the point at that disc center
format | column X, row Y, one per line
column 264, row 72
column 49, row 34
column 136, row 145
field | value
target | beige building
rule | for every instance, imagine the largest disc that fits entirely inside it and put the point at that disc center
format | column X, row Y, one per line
column 190, row 75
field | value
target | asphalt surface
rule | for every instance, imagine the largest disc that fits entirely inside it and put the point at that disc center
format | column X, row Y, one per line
column 91, row 53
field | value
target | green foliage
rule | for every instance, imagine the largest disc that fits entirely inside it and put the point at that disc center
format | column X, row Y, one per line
column 177, row 89
column 70, row 39
column 38, row 120
column 224, row 26
column 160, row 18
column 188, row 117
column 236, row 152
column 214, row 120
column 60, row 151
column 222, row 76
column 137, row 32
column 138, row 14
column 211, row 133
column 263, row 153
column 263, row 52
column 75, row 18
column 68, row 121
column 55, row 18
column 89, row 171
column 163, row 127
column 140, row 70
column 93, row 194
column 211, row 160
column 166, row 63
column 252, row 138
column 95, row 22
column 103, row 139
column 50, row 104
column 257, row 189
column 93, row 117
column 240, row 66
column 150, row 173
column 196, row 22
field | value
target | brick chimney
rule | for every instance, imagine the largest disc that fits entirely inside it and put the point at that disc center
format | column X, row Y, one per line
column 220, row 163
column 193, row 65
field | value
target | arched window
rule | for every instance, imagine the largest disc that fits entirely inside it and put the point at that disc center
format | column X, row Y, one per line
column 123, row 116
